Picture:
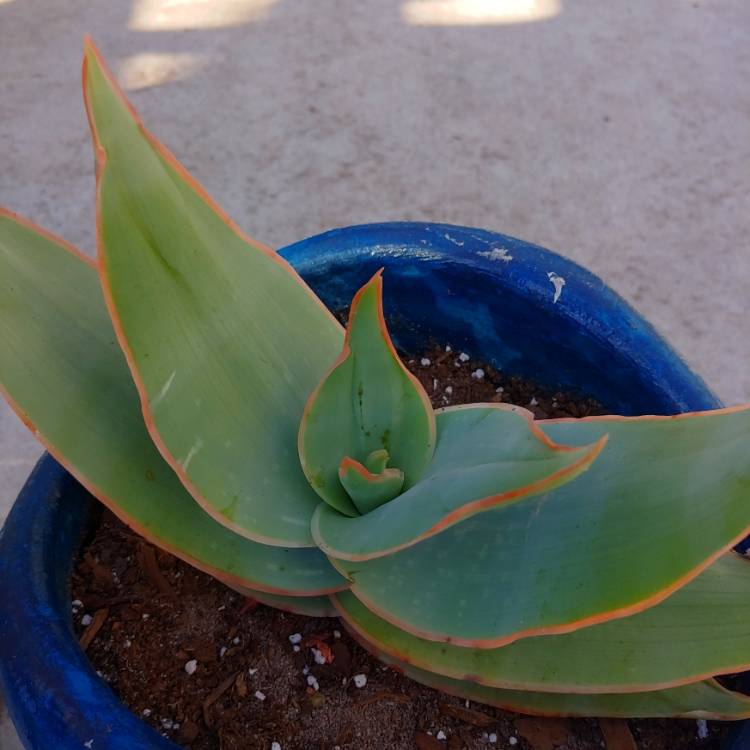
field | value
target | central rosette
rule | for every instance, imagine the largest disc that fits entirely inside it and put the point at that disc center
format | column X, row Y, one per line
column 368, row 431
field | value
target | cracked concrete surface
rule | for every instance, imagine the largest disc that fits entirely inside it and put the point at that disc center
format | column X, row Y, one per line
column 616, row 133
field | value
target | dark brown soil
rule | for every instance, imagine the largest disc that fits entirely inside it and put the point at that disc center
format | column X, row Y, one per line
column 143, row 616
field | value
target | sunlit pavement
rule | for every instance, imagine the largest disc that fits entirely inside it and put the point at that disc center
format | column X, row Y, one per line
column 616, row 133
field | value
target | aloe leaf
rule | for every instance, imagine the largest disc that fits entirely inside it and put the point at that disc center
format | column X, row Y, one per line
column 223, row 339
column 665, row 498
column 64, row 374
column 699, row 700
column 654, row 649
column 368, row 402
column 486, row 456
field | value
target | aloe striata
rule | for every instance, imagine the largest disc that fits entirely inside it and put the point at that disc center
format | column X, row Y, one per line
column 192, row 382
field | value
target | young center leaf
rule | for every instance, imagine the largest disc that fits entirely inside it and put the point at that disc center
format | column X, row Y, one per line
column 368, row 402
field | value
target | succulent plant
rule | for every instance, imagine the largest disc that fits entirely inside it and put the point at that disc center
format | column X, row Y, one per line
column 191, row 381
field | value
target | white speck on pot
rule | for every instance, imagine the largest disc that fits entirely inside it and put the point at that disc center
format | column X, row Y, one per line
column 463, row 357
column 236, row 641
column 128, row 644
column 497, row 253
column 260, row 696
column 558, row 282
column 449, row 389
column 318, row 656
column 513, row 740
column 145, row 615
column 295, row 638
column 360, row 680
column 441, row 735
column 702, row 729
column 478, row 374
column 222, row 608
column 275, row 746
column 86, row 620
column 533, row 402
column 434, row 384
column 425, row 362
column 167, row 723
column 337, row 634
column 295, row 648
column 312, row 682
column 146, row 712
column 305, row 670
column 448, row 348
column 76, row 603
column 222, row 651
column 191, row 666
column 492, row 738
column 252, row 670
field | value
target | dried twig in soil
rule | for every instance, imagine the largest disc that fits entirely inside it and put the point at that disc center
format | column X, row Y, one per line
column 616, row 733
column 384, row 695
column 100, row 617
column 467, row 715
column 147, row 558
column 213, row 696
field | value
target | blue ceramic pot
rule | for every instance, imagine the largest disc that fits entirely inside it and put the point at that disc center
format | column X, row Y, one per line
column 484, row 293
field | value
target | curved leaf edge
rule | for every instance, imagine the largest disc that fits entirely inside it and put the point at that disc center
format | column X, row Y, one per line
column 588, row 455
column 642, row 417
column 548, row 687
column 90, row 50
column 567, row 627
column 460, row 689
column 220, row 575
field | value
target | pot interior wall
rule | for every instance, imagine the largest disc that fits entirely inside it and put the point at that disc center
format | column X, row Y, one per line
column 494, row 297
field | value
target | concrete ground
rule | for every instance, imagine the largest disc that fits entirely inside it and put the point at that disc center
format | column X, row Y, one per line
column 617, row 133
